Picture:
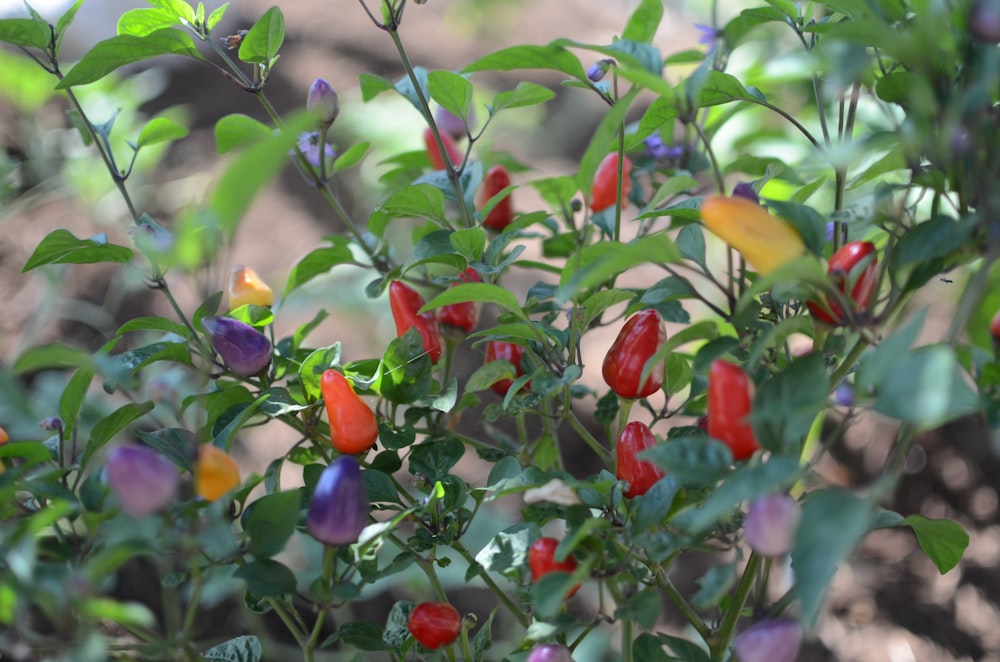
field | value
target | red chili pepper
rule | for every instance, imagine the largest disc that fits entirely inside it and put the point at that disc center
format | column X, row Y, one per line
column 405, row 302
column 730, row 398
column 353, row 428
column 497, row 179
column 639, row 474
column 541, row 560
column 498, row 350
column 995, row 327
column 604, row 191
column 434, row 624
column 434, row 154
column 464, row 315
column 640, row 338
column 844, row 271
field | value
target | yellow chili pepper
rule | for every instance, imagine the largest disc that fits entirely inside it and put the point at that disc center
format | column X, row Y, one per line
column 215, row 474
column 245, row 286
column 766, row 242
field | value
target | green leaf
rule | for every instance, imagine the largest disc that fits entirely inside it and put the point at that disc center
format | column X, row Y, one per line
column 372, row 86
column 182, row 11
column 602, row 141
column 482, row 292
column 406, row 370
column 644, row 608
column 112, row 424
column 73, row 396
column 238, row 130
column 67, row 18
column 452, row 91
column 609, row 258
column 25, row 32
column 926, row 388
column 924, row 245
column 270, row 521
column 549, row 57
column 173, row 444
column 469, row 243
column 216, row 16
column 61, row 247
column 693, row 460
column 525, row 94
column 124, row 49
column 154, row 324
column 434, row 458
column 266, row 578
column 787, row 404
column 654, row 506
column 818, row 549
column 644, row 21
column 318, row 262
column 160, row 130
column 806, row 221
column 714, row 585
column 246, row 648
column 263, row 41
column 407, row 89
column 351, row 157
column 745, row 483
column 141, row 22
column 719, row 88
column 943, row 541
column 312, row 369
column 248, row 175
column 691, row 243
column 51, row 356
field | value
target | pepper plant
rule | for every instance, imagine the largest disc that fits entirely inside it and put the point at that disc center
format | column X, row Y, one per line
column 707, row 437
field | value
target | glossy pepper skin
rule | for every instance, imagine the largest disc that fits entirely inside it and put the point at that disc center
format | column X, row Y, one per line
column 639, row 339
column 496, row 180
column 498, row 350
column 434, row 154
column 339, row 507
column 215, row 473
column 730, row 398
column 405, row 302
column 353, row 428
column 245, row 286
column 143, row 480
column 463, row 315
column 603, row 192
column 541, row 561
column 434, row 624
column 855, row 265
column 245, row 350
column 776, row 640
column 549, row 653
column 639, row 474
column 764, row 241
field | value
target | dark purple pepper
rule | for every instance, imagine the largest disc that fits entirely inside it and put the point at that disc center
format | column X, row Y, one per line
column 769, row 641
column 143, row 480
column 245, row 350
column 339, row 507
column 549, row 653
column 744, row 190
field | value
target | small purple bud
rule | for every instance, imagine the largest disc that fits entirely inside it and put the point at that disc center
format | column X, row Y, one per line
column 143, row 480
column 245, row 350
column 984, row 21
column 770, row 523
column 52, row 423
column 598, row 69
column 843, row 395
column 655, row 147
column 549, row 653
column 451, row 123
column 338, row 510
column 744, row 190
column 150, row 236
column 323, row 100
column 769, row 641
column 707, row 35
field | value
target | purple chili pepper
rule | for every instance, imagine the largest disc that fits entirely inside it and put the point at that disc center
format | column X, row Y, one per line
column 143, row 480
column 769, row 641
column 770, row 523
column 549, row 653
column 245, row 350
column 338, row 510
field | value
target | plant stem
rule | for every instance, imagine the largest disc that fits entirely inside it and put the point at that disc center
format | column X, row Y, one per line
column 521, row 617
column 725, row 632
column 686, row 610
column 584, row 433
